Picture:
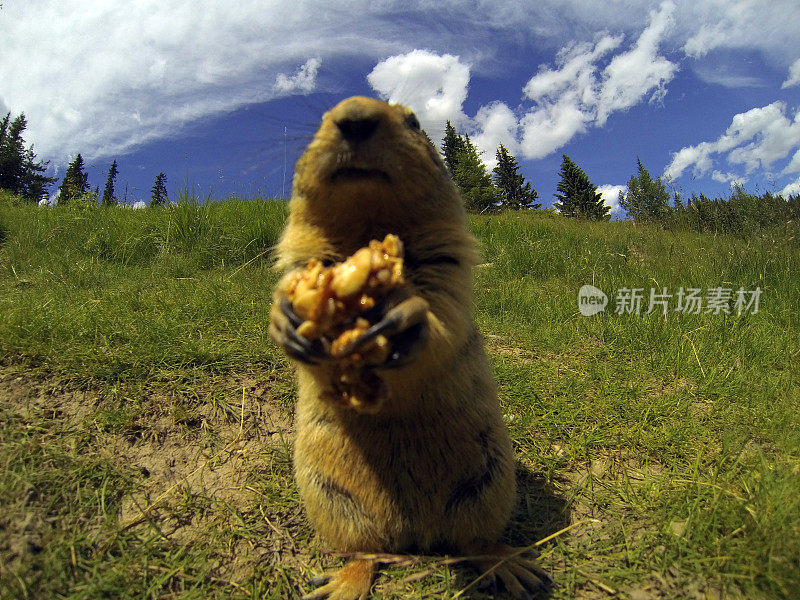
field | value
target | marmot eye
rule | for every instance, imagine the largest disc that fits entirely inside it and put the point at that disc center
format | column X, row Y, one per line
column 413, row 122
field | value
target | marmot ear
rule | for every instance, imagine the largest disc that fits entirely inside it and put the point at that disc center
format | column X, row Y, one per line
column 413, row 122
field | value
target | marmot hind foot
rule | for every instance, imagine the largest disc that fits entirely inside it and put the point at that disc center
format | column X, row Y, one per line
column 522, row 577
column 351, row 582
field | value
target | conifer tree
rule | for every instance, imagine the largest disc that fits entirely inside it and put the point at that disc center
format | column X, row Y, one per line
column 109, row 198
column 471, row 177
column 647, row 198
column 75, row 183
column 452, row 144
column 514, row 191
column 20, row 172
column 579, row 196
column 158, row 195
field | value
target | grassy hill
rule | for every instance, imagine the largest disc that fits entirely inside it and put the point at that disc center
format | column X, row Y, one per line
column 146, row 418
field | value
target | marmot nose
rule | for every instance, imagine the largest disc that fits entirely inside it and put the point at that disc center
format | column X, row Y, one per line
column 357, row 129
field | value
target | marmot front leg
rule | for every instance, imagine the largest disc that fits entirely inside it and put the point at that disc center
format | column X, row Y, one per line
column 283, row 331
column 404, row 324
column 351, row 582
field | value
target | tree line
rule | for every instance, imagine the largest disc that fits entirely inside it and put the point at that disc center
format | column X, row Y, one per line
column 75, row 187
column 506, row 187
column 645, row 199
column 23, row 175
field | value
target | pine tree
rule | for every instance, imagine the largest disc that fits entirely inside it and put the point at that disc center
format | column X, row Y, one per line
column 647, row 198
column 158, row 195
column 75, row 183
column 452, row 145
column 471, row 177
column 579, row 196
column 109, row 198
column 11, row 153
column 20, row 172
column 515, row 192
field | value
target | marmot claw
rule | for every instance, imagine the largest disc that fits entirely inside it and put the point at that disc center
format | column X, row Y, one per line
column 283, row 331
column 404, row 325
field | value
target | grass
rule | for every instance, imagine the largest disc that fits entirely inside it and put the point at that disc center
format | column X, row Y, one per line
column 145, row 434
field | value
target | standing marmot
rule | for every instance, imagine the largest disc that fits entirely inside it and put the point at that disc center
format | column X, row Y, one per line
column 432, row 466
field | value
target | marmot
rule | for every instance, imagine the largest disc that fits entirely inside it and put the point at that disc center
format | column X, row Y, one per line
column 432, row 468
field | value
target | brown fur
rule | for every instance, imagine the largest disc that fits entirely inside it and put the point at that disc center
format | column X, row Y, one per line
column 433, row 469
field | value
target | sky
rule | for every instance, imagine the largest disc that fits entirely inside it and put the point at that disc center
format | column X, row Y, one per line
column 223, row 97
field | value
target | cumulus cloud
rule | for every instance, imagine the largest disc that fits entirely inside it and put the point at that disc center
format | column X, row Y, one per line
column 610, row 194
column 433, row 86
column 794, row 75
column 635, row 73
column 577, row 94
column 731, row 178
column 707, row 26
column 756, row 138
column 160, row 67
column 497, row 125
column 793, row 189
column 550, row 127
column 576, row 71
column 794, row 164
column 303, row 81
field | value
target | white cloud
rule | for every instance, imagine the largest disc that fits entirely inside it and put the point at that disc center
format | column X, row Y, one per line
column 576, row 72
column 568, row 99
column 633, row 74
column 794, row 164
column 100, row 78
column 736, row 24
column 731, row 178
column 497, row 125
column 546, row 129
column 756, row 138
column 794, row 75
column 725, row 76
column 793, row 189
column 304, row 80
column 572, row 97
column 433, row 86
column 610, row 194
column 699, row 156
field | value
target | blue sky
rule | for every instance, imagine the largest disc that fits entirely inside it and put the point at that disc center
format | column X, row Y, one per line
column 221, row 95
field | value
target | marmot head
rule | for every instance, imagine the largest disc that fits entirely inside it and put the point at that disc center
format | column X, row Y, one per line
column 372, row 155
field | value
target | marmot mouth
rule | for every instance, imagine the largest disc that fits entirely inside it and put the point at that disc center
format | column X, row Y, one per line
column 358, row 174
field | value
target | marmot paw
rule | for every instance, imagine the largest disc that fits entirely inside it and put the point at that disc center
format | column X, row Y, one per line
column 522, row 577
column 405, row 325
column 283, row 331
column 351, row 582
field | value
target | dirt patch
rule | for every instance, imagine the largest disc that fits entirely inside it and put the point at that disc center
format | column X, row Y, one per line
column 25, row 393
column 204, row 461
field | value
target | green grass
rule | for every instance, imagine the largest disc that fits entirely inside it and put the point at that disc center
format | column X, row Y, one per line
column 145, row 418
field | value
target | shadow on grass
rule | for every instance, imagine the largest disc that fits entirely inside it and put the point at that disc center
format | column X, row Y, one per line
column 540, row 512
